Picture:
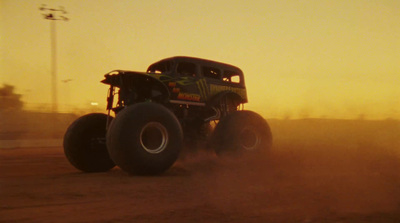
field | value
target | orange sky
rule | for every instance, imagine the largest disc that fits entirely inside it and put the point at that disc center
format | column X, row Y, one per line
column 315, row 58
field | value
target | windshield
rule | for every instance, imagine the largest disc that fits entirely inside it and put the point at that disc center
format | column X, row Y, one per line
column 160, row 67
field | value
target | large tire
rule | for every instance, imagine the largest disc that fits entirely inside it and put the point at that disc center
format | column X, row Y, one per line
column 85, row 146
column 145, row 139
column 241, row 131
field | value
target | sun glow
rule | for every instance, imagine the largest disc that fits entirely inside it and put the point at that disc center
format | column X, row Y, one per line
column 329, row 59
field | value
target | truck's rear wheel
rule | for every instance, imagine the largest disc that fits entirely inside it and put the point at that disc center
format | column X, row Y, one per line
column 241, row 131
column 85, row 144
column 145, row 139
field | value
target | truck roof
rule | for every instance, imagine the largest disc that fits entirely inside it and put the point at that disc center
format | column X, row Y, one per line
column 200, row 61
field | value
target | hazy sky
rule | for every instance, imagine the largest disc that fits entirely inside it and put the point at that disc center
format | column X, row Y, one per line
column 301, row 58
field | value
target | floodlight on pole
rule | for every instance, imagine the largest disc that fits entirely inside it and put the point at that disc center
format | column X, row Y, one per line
column 53, row 15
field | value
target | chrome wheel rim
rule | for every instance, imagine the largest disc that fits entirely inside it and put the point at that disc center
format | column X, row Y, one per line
column 249, row 139
column 154, row 137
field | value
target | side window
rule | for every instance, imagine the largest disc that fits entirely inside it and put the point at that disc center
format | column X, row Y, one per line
column 212, row 72
column 231, row 76
column 186, row 69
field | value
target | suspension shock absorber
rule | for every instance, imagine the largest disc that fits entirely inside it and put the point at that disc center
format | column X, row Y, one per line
column 110, row 102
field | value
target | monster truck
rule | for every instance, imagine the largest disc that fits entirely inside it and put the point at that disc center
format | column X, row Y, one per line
column 175, row 103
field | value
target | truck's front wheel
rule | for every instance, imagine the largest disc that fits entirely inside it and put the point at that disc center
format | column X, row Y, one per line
column 85, row 144
column 145, row 139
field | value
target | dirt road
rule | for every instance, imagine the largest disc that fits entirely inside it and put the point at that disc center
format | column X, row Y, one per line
column 300, row 181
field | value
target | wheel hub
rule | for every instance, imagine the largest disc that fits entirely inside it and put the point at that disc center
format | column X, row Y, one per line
column 249, row 139
column 154, row 137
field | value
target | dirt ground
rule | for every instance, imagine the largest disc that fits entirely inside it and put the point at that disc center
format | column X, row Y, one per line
column 318, row 171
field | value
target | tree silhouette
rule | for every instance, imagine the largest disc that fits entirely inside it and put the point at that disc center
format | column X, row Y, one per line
column 8, row 99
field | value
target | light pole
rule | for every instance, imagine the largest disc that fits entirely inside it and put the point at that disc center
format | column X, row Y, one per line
column 67, row 94
column 52, row 14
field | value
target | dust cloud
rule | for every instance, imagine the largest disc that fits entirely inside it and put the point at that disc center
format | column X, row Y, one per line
column 318, row 170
